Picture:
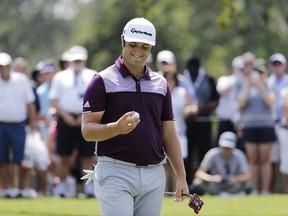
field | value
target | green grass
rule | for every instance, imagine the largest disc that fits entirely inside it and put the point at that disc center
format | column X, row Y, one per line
column 214, row 205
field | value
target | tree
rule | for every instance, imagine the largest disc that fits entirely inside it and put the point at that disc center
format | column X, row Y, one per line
column 216, row 31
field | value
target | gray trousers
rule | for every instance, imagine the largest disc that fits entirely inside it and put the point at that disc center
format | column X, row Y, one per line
column 128, row 190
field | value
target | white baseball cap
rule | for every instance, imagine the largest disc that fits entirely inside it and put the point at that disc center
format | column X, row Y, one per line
column 278, row 57
column 48, row 68
column 77, row 53
column 166, row 56
column 228, row 140
column 65, row 56
column 238, row 62
column 140, row 30
column 5, row 59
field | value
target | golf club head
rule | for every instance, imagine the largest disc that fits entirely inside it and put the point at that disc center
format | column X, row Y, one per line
column 195, row 203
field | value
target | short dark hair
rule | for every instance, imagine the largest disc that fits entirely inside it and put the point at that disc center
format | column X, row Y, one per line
column 193, row 62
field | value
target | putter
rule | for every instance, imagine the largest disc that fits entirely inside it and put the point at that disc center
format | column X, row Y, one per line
column 194, row 202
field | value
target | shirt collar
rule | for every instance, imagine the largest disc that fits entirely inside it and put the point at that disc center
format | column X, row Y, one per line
column 125, row 72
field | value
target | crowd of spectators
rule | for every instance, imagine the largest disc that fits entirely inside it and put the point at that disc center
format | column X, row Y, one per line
column 42, row 151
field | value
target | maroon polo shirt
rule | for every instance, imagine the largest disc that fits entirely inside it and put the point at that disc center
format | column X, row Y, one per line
column 116, row 91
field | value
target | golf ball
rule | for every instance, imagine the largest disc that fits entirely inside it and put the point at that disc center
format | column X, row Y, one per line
column 135, row 115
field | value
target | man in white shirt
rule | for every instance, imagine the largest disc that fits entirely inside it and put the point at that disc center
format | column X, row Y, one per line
column 16, row 105
column 66, row 95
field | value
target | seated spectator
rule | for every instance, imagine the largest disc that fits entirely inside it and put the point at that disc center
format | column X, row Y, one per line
column 224, row 169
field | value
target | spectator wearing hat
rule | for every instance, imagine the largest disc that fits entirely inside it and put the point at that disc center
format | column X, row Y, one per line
column 167, row 66
column 64, row 60
column 66, row 95
column 166, row 62
column 183, row 106
column 224, row 169
column 47, row 69
column 277, row 81
column 255, row 103
column 16, row 105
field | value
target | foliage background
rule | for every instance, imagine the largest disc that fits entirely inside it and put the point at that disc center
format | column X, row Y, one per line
column 214, row 30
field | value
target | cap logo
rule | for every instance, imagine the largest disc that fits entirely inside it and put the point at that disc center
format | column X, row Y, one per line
column 133, row 30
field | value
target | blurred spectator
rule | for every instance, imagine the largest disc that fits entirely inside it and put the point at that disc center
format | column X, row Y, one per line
column 166, row 61
column 277, row 81
column 224, row 170
column 64, row 60
column 166, row 65
column 66, row 96
column 199, row 127
column 182, row 106
column 36, row 77
column 255, row 102
column 228, row 88
column 16, row 105
column 20, row 65
column 47, row 70
column 249, row 60
column 282, row 133
column 32, row 146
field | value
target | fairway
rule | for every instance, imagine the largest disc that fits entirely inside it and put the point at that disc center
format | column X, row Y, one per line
column 214, row 205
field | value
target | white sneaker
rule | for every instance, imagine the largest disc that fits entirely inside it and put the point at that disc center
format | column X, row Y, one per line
column 60, row 189
column 71, row 186
column 9, row 193
column 29, row 193
column 89, row 190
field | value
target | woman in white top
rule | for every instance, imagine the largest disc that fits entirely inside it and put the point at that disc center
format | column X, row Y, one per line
column 183, row 106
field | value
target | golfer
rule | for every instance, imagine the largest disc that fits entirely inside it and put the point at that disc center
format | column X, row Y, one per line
column 129, row 178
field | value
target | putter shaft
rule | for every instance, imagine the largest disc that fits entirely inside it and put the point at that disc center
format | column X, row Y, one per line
column 173, row 193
